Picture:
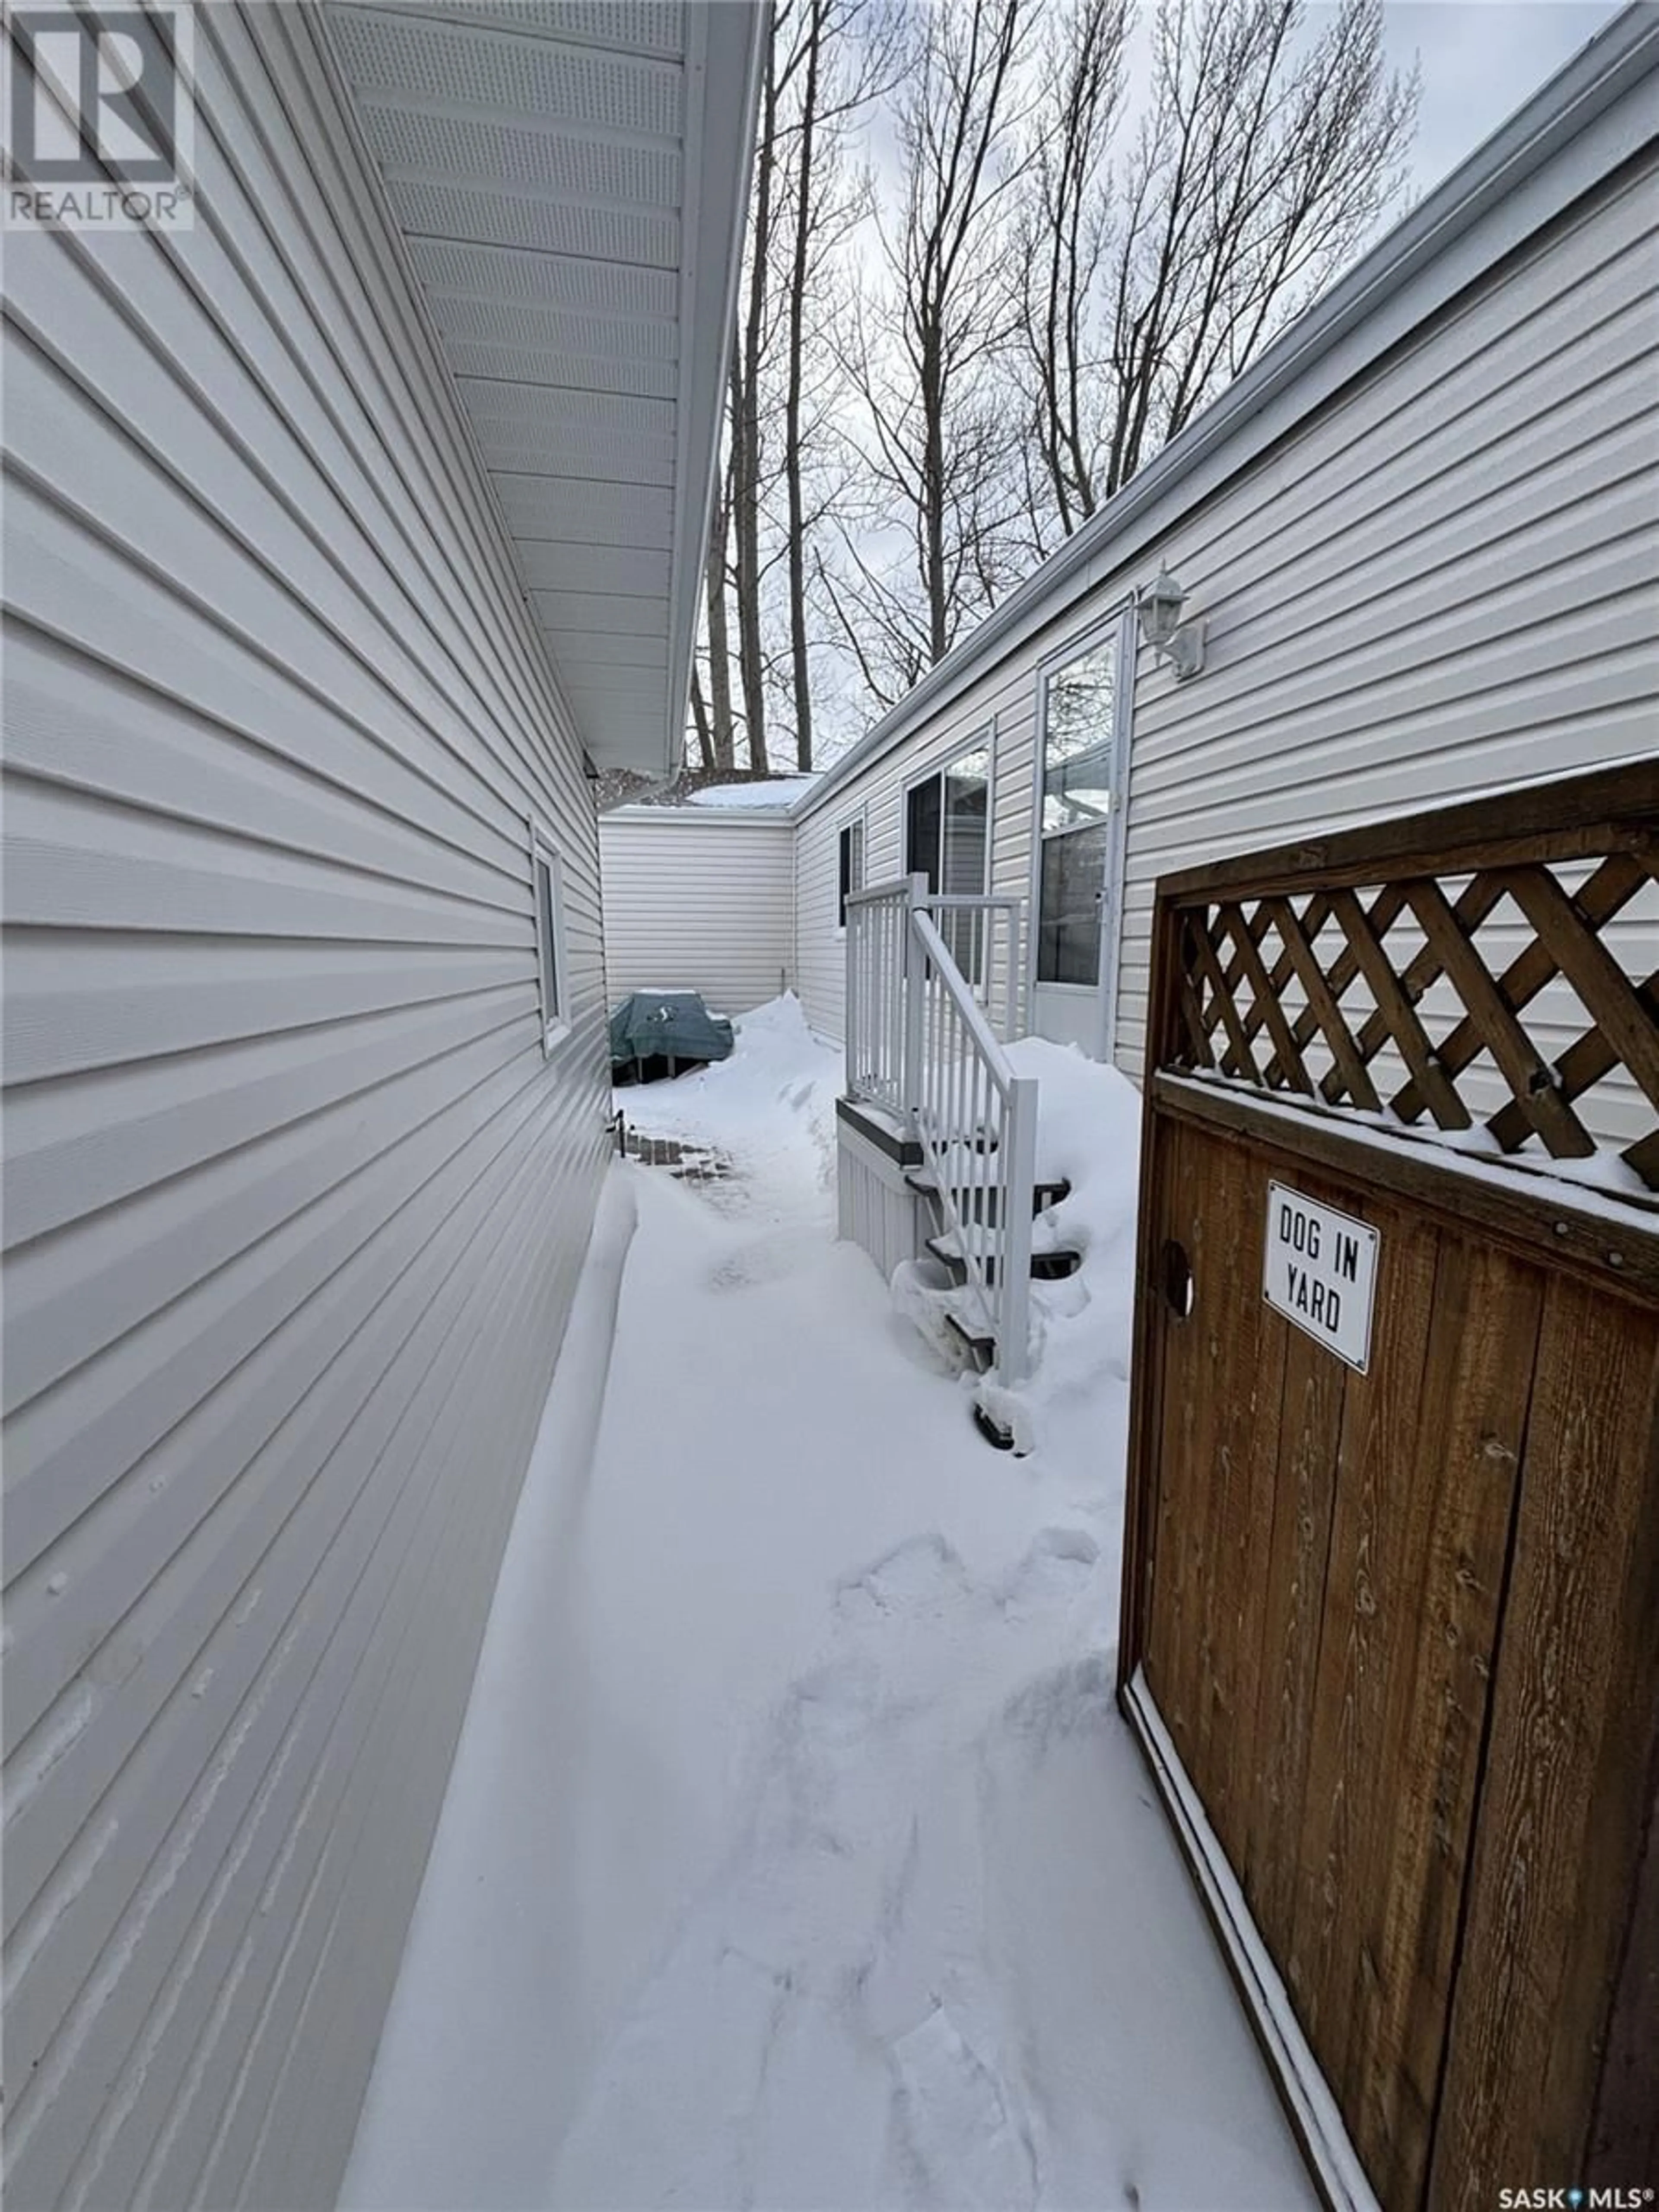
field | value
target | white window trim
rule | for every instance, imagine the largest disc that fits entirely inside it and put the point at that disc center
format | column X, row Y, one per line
column 859, row 819
column 543, row 850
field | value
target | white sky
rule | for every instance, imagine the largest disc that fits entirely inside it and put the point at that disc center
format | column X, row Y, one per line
column 1481, row 60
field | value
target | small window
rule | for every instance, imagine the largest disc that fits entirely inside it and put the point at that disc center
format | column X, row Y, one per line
column 549, row 935
column 852, row 864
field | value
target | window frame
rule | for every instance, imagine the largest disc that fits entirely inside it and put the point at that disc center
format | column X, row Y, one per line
column 859, row 820
column 982, row 735
column 551, row 945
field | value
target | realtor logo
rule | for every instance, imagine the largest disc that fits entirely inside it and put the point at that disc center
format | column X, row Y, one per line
column 99, row 119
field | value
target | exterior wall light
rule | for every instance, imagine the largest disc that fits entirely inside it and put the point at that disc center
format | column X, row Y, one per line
column 1181, row 644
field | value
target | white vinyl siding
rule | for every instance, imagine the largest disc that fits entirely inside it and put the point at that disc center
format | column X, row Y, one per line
column 699, row 901
column 1448, row 585
column 1446, row 582
column 295, row 1203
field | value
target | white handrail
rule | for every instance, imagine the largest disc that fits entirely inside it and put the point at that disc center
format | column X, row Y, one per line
column 922, row 1044
column 976, row 1122
column 953, row 982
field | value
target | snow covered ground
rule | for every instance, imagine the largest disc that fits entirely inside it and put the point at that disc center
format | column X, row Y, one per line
column 794, row 1854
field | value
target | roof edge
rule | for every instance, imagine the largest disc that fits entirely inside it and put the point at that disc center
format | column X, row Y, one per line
column 717, row 188
column 758, row 817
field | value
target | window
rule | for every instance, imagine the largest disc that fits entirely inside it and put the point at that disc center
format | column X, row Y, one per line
column 544, row 874
column 852, row 863
column 947, row 819
column 1079, row 741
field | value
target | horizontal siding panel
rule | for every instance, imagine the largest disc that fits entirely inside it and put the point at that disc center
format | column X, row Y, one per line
column 122, row 741
column 72, row 1149
column 289, row 1630
column 84, row 864
column 295, row 1204
column 244, row 559
column 697, row 904
column 115, row 616
column 69, row 1013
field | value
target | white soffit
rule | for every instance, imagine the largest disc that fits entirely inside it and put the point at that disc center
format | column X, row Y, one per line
column 570, row 178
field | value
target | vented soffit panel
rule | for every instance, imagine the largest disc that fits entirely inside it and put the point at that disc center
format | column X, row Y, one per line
column 570, row 178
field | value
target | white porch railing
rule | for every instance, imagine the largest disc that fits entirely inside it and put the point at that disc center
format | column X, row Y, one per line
column 922, row 1043
column 986, row 940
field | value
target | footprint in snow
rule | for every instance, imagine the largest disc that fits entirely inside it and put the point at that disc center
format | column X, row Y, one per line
column 1070, row 1701
column 1059, row 1562
column 768, row 1260
column 954, row 2116
column 917, row 1575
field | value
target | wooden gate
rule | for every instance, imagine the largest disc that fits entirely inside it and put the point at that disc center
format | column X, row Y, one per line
column 1390, row 1632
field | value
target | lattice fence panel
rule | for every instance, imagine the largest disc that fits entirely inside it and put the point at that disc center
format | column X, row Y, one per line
column 1514, row 1007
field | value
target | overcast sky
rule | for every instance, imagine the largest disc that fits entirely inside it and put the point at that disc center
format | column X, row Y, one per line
column 1481, row 60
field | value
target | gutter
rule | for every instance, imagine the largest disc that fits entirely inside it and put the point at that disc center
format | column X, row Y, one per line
column 1621, row 60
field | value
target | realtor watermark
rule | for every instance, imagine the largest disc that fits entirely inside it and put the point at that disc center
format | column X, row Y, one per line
column 1574, row 2200
column 98, row 115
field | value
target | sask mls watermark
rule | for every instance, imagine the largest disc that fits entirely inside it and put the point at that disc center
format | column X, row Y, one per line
column 1574, row 2199
column 99, row 118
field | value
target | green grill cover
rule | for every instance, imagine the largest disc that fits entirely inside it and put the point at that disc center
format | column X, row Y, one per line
column 674, row 1024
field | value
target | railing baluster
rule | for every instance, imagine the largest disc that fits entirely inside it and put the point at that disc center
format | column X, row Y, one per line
column 935, row 989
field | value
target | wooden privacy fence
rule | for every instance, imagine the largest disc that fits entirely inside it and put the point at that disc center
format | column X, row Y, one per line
column 1390, row 1631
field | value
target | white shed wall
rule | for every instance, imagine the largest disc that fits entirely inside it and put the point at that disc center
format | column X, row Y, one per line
column 294, row 1204
column 1444, row 582
column 696, row 900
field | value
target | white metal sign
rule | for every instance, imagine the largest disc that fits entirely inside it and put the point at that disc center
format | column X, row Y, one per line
column 1321, row 1273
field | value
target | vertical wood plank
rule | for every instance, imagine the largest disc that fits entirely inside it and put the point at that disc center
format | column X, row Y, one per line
column 1246, row 1381
column 1624, row 2152
column 1444, row 1569
column 1304, row 1475
column 1373, row 1594
column 1158, row 1140
column 1172, row 1654
column 1563, row 1804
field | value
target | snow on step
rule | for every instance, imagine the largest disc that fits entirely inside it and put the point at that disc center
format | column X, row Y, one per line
column 948, row 1245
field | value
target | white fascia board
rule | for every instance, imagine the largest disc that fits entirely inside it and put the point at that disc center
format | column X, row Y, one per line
column 726, row 46
column 730, row 817
column 1598, row 113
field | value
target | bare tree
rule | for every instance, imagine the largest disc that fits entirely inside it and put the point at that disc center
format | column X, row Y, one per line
column 850, row 52
column 1265, row 159
column 921, row 355
column 827, row 60
column 1062, row 234
column 716, row 635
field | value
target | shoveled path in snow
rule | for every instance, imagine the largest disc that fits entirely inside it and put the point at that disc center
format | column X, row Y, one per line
column 795, row 1855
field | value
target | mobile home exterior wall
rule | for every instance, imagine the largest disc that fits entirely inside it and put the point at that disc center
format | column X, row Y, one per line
column 295, row 1198
column 698, row 899
column 1438, row 579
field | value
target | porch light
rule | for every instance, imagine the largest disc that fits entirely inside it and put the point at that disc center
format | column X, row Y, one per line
column 1159, row 609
